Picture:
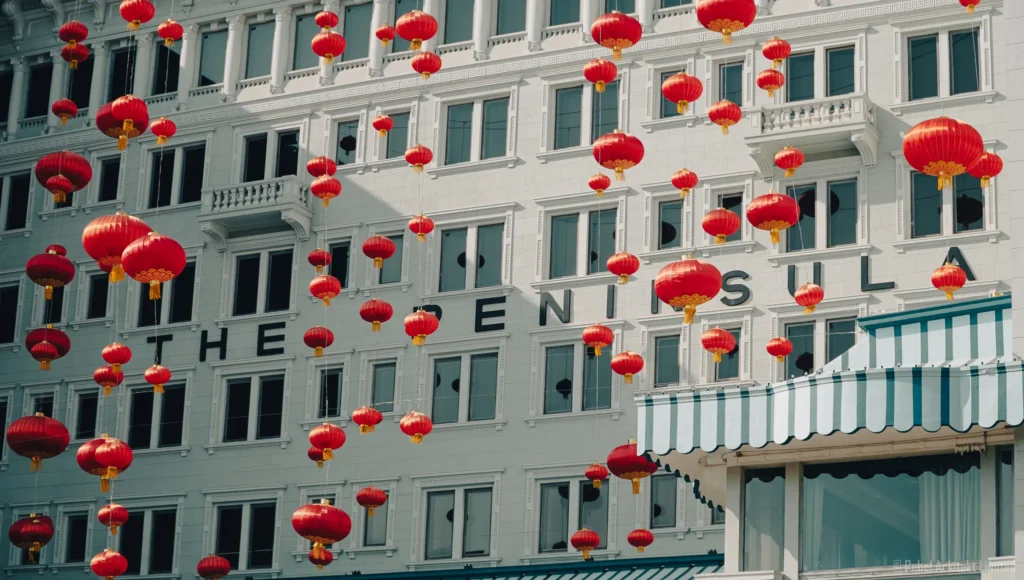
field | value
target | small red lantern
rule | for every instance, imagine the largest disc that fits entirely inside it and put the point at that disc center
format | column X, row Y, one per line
column 718, row 341
column 106, row 238
column 64, row 109
column 599, row 182
column 378, row 248
column 74, row 55
column 319, row 259
column 57, row 249
column 164, row 129
column 213, row 567
column 73, row 32
column 328, row 438
column 943, row 148
column 720, row 223
column 789, row 159
column 627, row 364
column 50, row 270
column 624, row 463
column 969, row 5
column 949, row 278
column 116, row 354
column 318, row 338
column 371, row 498
column 416, row 425
column 325, row 287
column 989, row 166
column 137, row 12
column 684, row 180
column 108, row 564
column 386, row 34
column 44, row 352
column 321, row 558
column 326, row 19
column 426, row 63
column 37, row 437
column 640, row 539
column 421, row 225
column 616, row 31
column 776, row 50
column 773, row 212
column 726, row 16
column 383, row 124
column 326, row 188
column 328, row 44
column 367, row 418
column 113, row 516
column 779, row 348
column 416, row 26
column 623, row 265
column 60, row 187
column 770, row 80
column 158, row 376
column 596, row 473
column 316, row 454
column 682, row 89
column 153, row 259
column 585, row 540
column 63, row 172
column 600, row 72
column 419, row 325
column 320, row 166
column 107, row 378
column 418, row 156
column 31, row 534
column 133, row 113
column 618, row 151
column 687, row 284
column 170, row 31
column 725, row 114
column 115, row 455
column 808, row 296
column 597, row 336
column 58, row 338
column 376, row 312
column 321, row 523
column 86, row 458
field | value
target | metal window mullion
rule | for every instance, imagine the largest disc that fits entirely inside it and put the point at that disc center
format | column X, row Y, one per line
column 154, row 429
column 472, row 254
column 458, row 522
column 243, row 537
column 5, row 192
column 579, row 355
column 574, row 506
column 465, row 389
column 582, row 243
column 262, row 281
column 179, row 156
column 255, row 384
column 270, row 167
column 147, row 534
column 476, row 140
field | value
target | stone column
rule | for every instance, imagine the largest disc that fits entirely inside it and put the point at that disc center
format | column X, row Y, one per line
column 645, row 14
column 233, row 56
column 379, row 18
column 481, row 28
column 278, row 62
column 97, row 87
column 589, row 12
column 17, row 102
column 143, row 84
column 187, row 63
column 57, row 90
column 534, row 23
column 431, row 7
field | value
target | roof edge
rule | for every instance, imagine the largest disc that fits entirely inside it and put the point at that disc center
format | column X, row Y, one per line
column 958, row 308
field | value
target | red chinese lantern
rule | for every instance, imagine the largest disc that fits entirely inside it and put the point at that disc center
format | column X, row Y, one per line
column 789, row 159
column 44, row 352
column 73, row 32
column 624, row 463
column 170, row 31
column 687, row 284
column 616, row 31
column 808, row 296
column 779, row 348
column 969, row 5
column 320, row 166
column 326, row 188
column 720, row 223
column 943, row 148
column 597, row 336
column 416, row 425
column 37, row 437
column 74, row 55
column 321, row 558
column 725, row 114
column 773, row 212
column 50, row 270
column 382, row 124
column 31, row 534
column 328, row 44
column 111, row 126
column 86, row 458
column 418, row 156
column 367, row 418
column 325, row 287
column 64, row 109
column 326, row 19
column 328, row 438
column 164, row 129
column 153, row 259
column 213, row 567
column 770, row 80
column 72, row 170
column 684, row 180
column 600, row 72
column 421, row 225
column 115, row 455
column 107, row 378
column 776, row 50
column 106, row 237
column 137, row 12
column 618, row 151
column 585, row 540
column 376, row 312
column 989, row 166
column 596, row 473
column 109, row 564
column 949, row 278
column 318, row 338
column 623, row 265
column 726, row 16
column 378, row 248
column 682, row 89
column 116, row 354
column 385, row 34
column 640, row 539
column 59, row 186
column 599, row 182
column 157, row 375
column 316, row 454
column 319, row 259
column 132, row 112
column 321, row 523
column 426, row 63
column 113, row 516
column 718, row 341
column 419, row 325
column 627, row 364
column 57, row 249
column 58, row 338
column 416, row 26
column 371, row 498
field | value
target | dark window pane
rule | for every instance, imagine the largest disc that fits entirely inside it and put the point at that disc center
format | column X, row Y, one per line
column 8, row 313
column 495, row 128
column 211, row 60
column 161, row 542
column 489, row 247
column 447, row 372
column 383, row 397
column 193, row 165
column 800, row 77
column 452, row 274
column 305, row 30
column 840, row 71
column 140, row 419
column 458, row 20
column 261, row 46
column 172, row 416
column 7, row 79
column 923, row 76
column 440, row 528
column 604, row 118
column 330, row 393
column 801, row 361
column 287, row 154
column 270, row 407
column 348, row 136
column 150, row 311
column 597, row 380
column 168, row 63
column 255, row 158
column 563, row 245
column 483, row 386
column 624, row 6
column 1004, row 501
column 375, row 529
column 109, row 176
column 261, row 536
column 729, row 368
column 279, row 281
column 401, row 7
column 568, row 111
column 392, row 270
column 730, row 82
column 78, row 530
column 52, row 308
column 663, row 501
column 247, row 276
column 122, row 73
column 841, row 337
column 79, row 84
column 925, row 206
column 161, row 178
column 98, row 286
column 666, row 360
column 339, row 263
column 963, row 62
column 476, row 534
column 229, row 533
column 674, row 3
column 764, row 518
column 43, row 404
column 236, row 411
column 968, row 203
column 601, row 239
column 842, row 218
column 668, row 108
column 85, row 419
column 801, row 236
column 357, row 31
column 130, row 542
column 670, row 230
column 564, row 12
column 558, row 379
column 459, row 133
column 37, row 97
column 554, row 517
column 594, row 511
column 17, row 202
column 511, row 16
column 398, row 136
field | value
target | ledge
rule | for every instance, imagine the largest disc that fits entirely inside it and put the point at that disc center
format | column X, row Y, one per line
column 212, row 447
column 929, row 296
column 490, row 561
column 107, row 321
column 376, row 166
column 128, row 332
column 403, row 286
column 308, row 424
column 687, row 120
column 196, row 205
column 70, row 567
column 301, row 557
column 665, row 255
column 469, row 166
column 471, row 293
column 112, row 203
column 737, row 247
column 498, row 425
column 265, row 317
column 806, row 256
column 568, row 557
column 180, row 450
column 697, row 531
column 990, row 236
column 565, row 153
column 598, row 279
column 25, row 232
column 386, row 550
column 940, row 103
column 613, row 413
column 48, row 213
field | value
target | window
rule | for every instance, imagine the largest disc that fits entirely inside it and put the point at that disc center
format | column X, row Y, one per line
column 476, row 535
column 43, row 403
column 600, row 239
column 76, row 535
column 211, row 59
column 447, row 372
column 764, row 518
column 511, row 17
column 489, row 250
column 453, row 260
column 556, row 501
column 800, row 77
column 842, row 213
column 79, row 85
column 458, row 20
column 287, row 154
column 968, row 204
column 840, row 71
column 457, row 261
column 674, row 3
column 8, row 313
column 147, row 541
column 122, row 73
column 252, row 297
column 801, row 361
column 398, row 136
column 17, row 202
column 568, row 114
column 668, row 108
column 440, row 529
column 558, row 371
column 605, row 113
column 348, row 137
column 175, row 307
column 168, row 62
column 454, row 404
column 97, row 306
column 593, row 509
column 666, row 361
column 924, row 67
column 717, row 516
column 339, row 262
column 730, row 82
column 842, row 335
column 7, row 80
column 1004, row 501
column 383, row 388
column 563, row 12
column 330, row 393
column 399, row 44
column 391, row 273
column 801, row 237
column 37, row 96
column 495, row 131
column 375, row 529
column 305, row 30
column 357, row 31
column 563, row 245
column 193, row 166
column 86, row 407
column 925, row 206
column 251, row 418
column 597, row 380
column 161, row 178
column 729, row 368
column 623, row 6
column 110, row 170
column 54, row 308
column 246, row 551
column 260, row 49
column 255, row 158
column 734, row 203
column 663, row 501
column 156, row 422
column 459, row 134
column 963, row 62
column 441, row 538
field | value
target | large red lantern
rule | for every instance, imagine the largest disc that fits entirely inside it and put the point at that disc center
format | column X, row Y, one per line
column 616, row 31
column 325, row 287
column 328, row 44
column 596, row 473
column 627, row 364
column 115, row 455
column 600, row 72
column 106, row 238
column 418, row 156
column 770, row 80
column 316, row 454
column 989, row 166
column 624, row 463
column 164, row 129
column 773, row 212
column 779, row 348
column 725, row 114
column 776, row 50
column 623, row 265
column 213, row 567
column 367, row 418
column 86, row 458
column 320, row 166
column 809, row 296
column 376, row 311
column 113, row 516
column 720, row 224
column 687, row 284
column 726, row 16
column 789, row 159
column 37, row 437
column 382, row 124
column 322, row 524
column 50, row 270
column 157, row 375
column 318, row 338
column 170, row 31
column 969, row 5
column 326, row 19
column 31, row 534
column 137, row 12
column 943, row 148
column 319, row 259
column 111, row 126
column 419, row 325
column 108, row 564
column 132, row 112
column 371, row 498
column 684, row 180
column 618, row 151
column 58, row 338
column 378, row 248
column 320, row 558
column 421, row 225
column 64, row 109
column 718, row 341
column 416, row 425
column 73, row 171
column 153, row 259
column 599, row 182
column 426, row 63
column 682, row 89
column 106, row 377
column 385, row 34
column 44, row 352
column 585, row 540
column 640, row 539
column 328, row 438
column 116, row 354
column 598, row 336
column 416, row 26
column 326, row 188
column 74, row 55
column 949, row 278
column 73, row 32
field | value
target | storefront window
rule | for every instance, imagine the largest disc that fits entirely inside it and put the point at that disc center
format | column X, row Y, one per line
column 1004, row 500
column 764, row 518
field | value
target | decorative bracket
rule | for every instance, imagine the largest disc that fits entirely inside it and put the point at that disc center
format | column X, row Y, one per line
column 12, row 9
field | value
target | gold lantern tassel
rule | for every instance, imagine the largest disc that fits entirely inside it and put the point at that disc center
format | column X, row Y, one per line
column 318, row 352
column 790, row 172
column 599, row 192
column 970, row 9
column 586, row 553
column 623, row 278
column 375, row 326
column 384, row 42
column 48, row 292
column 599, row 86
column 35, row 464
column 116, row 367
column 727, row 36
column 161, row 140
column 620, row 174
column 319, row 269
column 74, row 64
column 725, row 129
column 688, row 311
column 417, row 438
column 419, row 339
column 319, row 567
column 629, row 381
column 326, row 201
column 720, row 239
column 327, row 300
column 617, row 53
column 809, row 309
column 718, row 357
column 32, row 550
column 418, row 168
column 421, row 237
column 116, row 274
column 780, row 358
column 158, row 388
column 106, row 391
column 382, row 132
column 112, row 473
column 379, row 262
column 64, row 120
column 776, row 63
column 597, row 483
column 597, row 350
column 44, row 365
column 415, row 44
column 127, row 126
column 113, row 529
column 985, row 179
column 328, row 58
column 154, row 290
column 168, row 42
column 682, row 106
column 104, row 484
column 775, row 236
column 425, row 75
column 640, row 549
column 134, row 25
column 949, row 293
column 771, row 92
column 122, row 142
column 319, row 464
column 636, row 485
column 369, row 511
column 328, row 453
column 366, row 428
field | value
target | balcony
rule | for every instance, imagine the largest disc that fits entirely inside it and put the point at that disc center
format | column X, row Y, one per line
column 257, row 207
column 822, row 129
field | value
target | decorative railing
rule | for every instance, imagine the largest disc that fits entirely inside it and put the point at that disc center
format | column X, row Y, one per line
column 342, row 65
column 663, row 13
column 269, row 193
column 399, row 56
column 832, row 111
column 32, row 122
column 455, row 47
column 253, row 82
column 562, row 30
column 202, row 91
column 164, row 98
column 506, row 39
column 302, row 73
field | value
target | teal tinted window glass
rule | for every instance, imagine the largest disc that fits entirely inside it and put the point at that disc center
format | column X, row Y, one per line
column 666, row 360
column 597, row 379
column 801, row 236
column 842, row 335
column 558, row 379
column 357, row 31
column 260, row 49
column 564, row 12
column 563, row 245
column 568, row 117
column 968, row 203
column 453, row 260
column 1004, row 501
column 511, row 16
column 594, row 511
column 623, row 6
column 495, row 129
column 800, row 77
column 605, row 115
column 483, row 386
column 398, row 136
column 348, row 135
column 801, row 360
column 963, row 62
column 842, row 213
column 734, row 203
column 305, row 30
column 730, row 82
column 392, row 270
column 211, row 58
column 459, row 134
column 925, row 206
column 670, row 227
column 601, row 239
column 399, row 44
column 663, row 501
column 458, row 21
column 729, row 368
column 764, row 518
column 446, row 390
column 668, row 108
column 489, row 246
column 923, row 75
column 840, row 71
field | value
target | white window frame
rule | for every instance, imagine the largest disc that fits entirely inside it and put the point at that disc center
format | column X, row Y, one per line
column 253, row 19
column 364, row 132
column 471, row 220
column 347, row 233
column 714, row 58
column 86, row 269
column 332, row 359
column 45, row 556
column 442, row 24
column 264, row 246
column 218, row 25
column 378, row 159
column 343, row 4
column 711, row 189
column 572, row 473
column 459, row 482
column 65, row 509
column 35, row 389
column 465, row 349
column 12, row 277
column 296, row 13
column 6, row 395
column 356, row 542
column 76, row 388
column 550, row 84
column 193, row 253
column 39, row 303
column 782, row 315
column 652, row 328
column 138, row 505
column 495, row 39
column 181, row 143
column 246, row 497
column 272, row 130
column 691, row 515
column 741, row 317
column 97, row 157
column 448, row 98
column 253, row 369
column 820, row 43
column 372, row 356
column 577, row 203
column 570, row 335
column 371, row 276
column 179, row 375
column 310, row 492
column 687, row 62
column 33, row 192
